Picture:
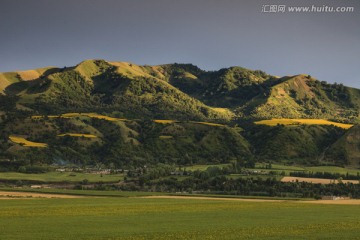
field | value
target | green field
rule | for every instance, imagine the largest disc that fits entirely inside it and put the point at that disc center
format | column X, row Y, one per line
column 139, row 218
column 280, row 167
column 203, row 167
column 333, row 169
column 89, row 193
column 287, row 169
column 78, row 177
column 61, row 177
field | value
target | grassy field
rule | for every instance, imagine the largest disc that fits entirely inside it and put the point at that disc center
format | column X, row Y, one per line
column 89, row 193
column 22, row 141
column 285, row 121
column 333, row 169
column 61, row 177
column 287, row 169
column 283, row 168
column 280, row 167
column 141, row 218
column 203, row 167
column 78, row 177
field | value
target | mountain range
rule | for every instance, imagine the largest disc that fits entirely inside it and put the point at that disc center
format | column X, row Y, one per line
column 210, row 116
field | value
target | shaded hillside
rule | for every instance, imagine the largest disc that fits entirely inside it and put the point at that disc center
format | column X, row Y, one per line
column 124, row 143
column 346, row 150
column 303, row 144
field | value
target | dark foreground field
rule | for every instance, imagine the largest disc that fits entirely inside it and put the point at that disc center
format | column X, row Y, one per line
column 156, row 218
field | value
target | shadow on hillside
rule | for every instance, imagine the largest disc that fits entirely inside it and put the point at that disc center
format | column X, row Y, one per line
column 18, row 87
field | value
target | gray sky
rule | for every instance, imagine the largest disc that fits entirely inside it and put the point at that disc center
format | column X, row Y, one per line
column 208, row 33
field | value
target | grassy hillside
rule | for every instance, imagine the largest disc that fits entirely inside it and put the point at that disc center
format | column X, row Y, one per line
column 132, row 90
column 304, row 97
column 22, row 78
column 123, row 113
column 85, row 139
column 292, row 122
column 179, row 91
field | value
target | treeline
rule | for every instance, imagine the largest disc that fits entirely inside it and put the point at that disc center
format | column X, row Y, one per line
column 254, row 187
column 327, row 175
column 217, row 180
column 269, row 187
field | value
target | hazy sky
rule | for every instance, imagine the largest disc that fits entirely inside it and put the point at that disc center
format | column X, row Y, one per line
column 209, row 33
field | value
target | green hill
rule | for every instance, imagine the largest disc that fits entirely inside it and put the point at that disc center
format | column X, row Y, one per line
column 346, row 150
column 304, row 97
column 97, row 85
column 300, row 144
column 179, row 91
column 130, row 97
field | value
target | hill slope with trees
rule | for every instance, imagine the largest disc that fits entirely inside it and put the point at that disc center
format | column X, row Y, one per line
column 212, row 116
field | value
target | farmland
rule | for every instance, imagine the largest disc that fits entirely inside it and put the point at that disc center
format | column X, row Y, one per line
column 61, row 177
column 286, row 121
column 204, row 167
column 316, row 180
column 278, row 168
column 147, row 218
column 22, row 141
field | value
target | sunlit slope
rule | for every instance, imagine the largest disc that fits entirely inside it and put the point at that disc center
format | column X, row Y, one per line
column 286, row 121
column 180, row 91
column 96, row 84
column 302, row 96
column 26, row 143
column 9, row 78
